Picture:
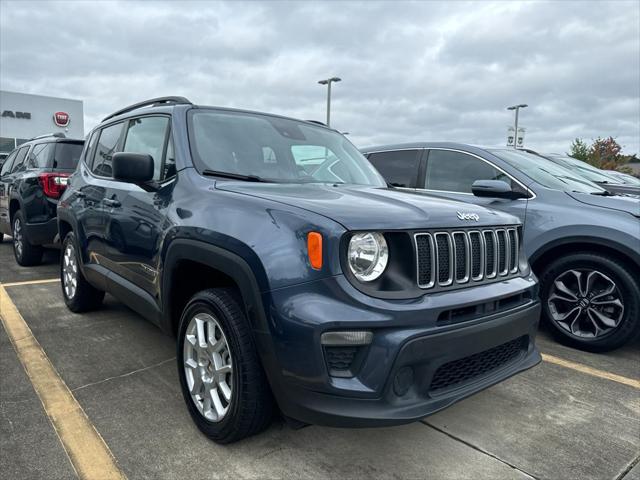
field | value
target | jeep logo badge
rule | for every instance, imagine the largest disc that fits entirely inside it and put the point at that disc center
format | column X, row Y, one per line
column 468, row 216
column 61, row 119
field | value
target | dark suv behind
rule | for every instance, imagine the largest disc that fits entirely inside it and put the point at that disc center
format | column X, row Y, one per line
column 32, row 179
column 288, row 270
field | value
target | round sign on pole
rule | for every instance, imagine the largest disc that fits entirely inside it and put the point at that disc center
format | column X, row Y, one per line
column 61, row 119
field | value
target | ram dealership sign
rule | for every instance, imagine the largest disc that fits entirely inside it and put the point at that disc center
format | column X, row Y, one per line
column 14, row 114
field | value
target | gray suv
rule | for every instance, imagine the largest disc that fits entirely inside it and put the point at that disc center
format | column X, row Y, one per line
column 583, row 242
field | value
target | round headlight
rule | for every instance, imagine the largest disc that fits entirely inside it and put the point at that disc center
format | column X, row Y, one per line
column 368, row 255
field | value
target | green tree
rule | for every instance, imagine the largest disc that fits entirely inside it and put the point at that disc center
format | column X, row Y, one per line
column 579, row 149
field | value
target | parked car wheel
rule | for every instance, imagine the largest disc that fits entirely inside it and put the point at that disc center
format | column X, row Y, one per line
column 221, row 376
column 591, row 301
column 26, row 254
column 79, row 295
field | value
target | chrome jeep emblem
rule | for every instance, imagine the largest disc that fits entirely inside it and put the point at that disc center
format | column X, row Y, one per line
column 468, row 216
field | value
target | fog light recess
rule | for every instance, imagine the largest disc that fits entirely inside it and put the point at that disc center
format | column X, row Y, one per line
column 344, row 351
column 402, row 381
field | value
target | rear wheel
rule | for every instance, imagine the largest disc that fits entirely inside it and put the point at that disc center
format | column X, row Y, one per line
column 79, row 295
column 26, row 254
column 221, row 376
column 591, row 301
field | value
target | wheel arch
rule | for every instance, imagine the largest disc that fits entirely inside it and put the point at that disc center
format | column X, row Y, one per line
column 191, row 265
column 566, row 245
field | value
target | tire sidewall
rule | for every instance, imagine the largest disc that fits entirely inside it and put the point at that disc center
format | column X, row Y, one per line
column 203, row 304
column 629, row 326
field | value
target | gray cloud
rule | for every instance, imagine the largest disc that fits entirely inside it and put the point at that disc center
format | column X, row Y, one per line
column 411, row 70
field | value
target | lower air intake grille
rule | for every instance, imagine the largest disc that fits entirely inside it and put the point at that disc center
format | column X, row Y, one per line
column 466, row 369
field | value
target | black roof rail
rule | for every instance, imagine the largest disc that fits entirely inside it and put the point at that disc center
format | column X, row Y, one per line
column 147, row 103
column 318, row 122
column 46, row 135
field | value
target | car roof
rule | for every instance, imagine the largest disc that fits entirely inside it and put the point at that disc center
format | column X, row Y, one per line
column 422, row 145
column 168, row 109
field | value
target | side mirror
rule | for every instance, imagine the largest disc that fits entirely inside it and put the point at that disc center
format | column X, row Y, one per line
column 132, row 167
column 495, row 188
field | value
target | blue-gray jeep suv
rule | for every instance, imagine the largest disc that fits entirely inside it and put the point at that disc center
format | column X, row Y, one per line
column 289, row 272
column 582, row 241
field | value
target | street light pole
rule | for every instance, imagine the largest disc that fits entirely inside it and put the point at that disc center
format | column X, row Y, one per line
column 328, row 83
column 517, row 109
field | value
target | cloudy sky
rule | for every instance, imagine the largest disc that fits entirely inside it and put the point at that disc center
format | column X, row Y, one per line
column 411, row 71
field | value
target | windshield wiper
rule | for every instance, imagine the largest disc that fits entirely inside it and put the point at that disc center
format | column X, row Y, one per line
column 234, row 176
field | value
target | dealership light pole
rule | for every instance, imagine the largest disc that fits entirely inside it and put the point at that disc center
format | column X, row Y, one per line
column 517, row 109
column 328, row 82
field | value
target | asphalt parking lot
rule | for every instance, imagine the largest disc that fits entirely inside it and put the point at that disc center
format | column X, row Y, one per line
column 576, row 415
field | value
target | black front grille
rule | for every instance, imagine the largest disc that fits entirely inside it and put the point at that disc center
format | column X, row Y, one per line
column 425, row 252
column 476, row 261
column 502, row 248
column 489, row 241
column 461, row 256
column 444, row 258
column 464, row 370
column 451, row 258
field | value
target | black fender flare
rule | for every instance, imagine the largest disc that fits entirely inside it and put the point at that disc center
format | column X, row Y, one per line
column 227, row 262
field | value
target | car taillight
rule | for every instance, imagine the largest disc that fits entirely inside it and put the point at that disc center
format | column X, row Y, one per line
column 53, row 184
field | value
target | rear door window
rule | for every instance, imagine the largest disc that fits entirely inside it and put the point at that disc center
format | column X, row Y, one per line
column 399, row 168
column 106, row 147
column 67, row 155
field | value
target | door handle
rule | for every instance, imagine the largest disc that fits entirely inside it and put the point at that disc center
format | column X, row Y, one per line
column 111, row 202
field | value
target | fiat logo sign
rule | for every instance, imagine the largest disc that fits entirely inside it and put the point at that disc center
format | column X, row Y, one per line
column 61, row 119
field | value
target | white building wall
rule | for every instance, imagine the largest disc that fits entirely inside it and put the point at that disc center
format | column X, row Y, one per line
column 41, row 110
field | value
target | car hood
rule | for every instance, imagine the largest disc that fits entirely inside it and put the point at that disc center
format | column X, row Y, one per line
column 617, row 202
column 364, row 208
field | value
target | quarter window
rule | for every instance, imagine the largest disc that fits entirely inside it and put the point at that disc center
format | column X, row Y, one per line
column 107, row 145
column 39, row 156
column 399, row 168
column 456, row 171
column 148, row 135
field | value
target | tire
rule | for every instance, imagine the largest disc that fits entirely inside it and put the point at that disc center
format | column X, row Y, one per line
column 79, row 296
column 1, row 237
column 579, row 293
column 250, row 405
column 26, row 254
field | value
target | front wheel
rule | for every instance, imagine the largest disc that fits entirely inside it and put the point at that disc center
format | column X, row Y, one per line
column 591, row 301
column 221, row 376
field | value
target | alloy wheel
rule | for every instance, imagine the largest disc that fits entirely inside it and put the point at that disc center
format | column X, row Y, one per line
column 586, row 303
column 208, row 367
column 69, row 271
column 17, row 237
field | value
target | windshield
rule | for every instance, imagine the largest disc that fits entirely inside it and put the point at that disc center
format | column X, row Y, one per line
column 547, row 173
column 276, row 149
column 626, row 178
column 586, row 170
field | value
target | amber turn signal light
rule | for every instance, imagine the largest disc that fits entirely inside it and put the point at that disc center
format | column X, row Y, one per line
column 314, row 249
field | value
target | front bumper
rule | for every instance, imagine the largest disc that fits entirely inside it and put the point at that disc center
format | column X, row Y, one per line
column 459, row 359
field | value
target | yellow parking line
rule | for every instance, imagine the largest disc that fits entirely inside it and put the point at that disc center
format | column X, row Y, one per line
column 30, row 282
column 87, row 451
column 591, row 371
